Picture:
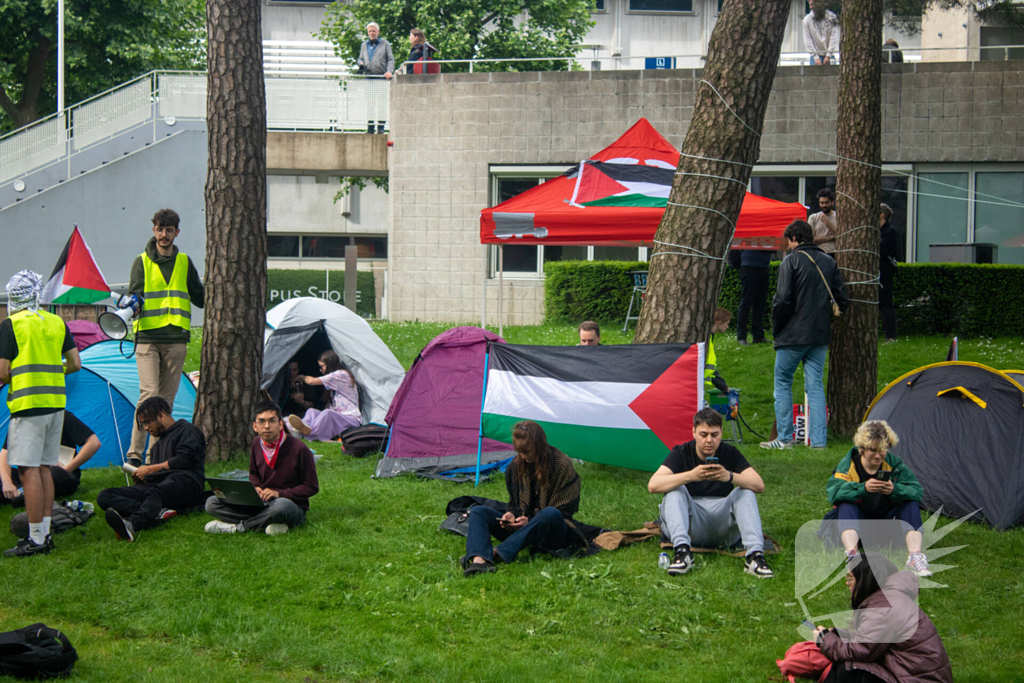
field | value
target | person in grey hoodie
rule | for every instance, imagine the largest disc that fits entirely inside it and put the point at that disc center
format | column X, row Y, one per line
column 375, row 60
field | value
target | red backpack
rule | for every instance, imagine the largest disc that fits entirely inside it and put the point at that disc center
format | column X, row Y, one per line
column 804, row 660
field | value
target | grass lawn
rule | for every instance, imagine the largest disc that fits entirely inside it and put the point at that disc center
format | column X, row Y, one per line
column 370, row 590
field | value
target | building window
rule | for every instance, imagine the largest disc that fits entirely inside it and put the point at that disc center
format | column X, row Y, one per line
column 995, row 38
column 325, row 246
column 941, row 210
column 283, row 246
column 660, row 5
column 999, row 222
column 599, row 6
column 779, row 188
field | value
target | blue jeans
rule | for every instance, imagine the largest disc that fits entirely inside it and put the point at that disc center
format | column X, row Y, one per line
column 909, row 513
column 547, row 529
column 787, row 359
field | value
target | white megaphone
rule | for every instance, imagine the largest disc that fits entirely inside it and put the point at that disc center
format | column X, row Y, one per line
column 115, row 324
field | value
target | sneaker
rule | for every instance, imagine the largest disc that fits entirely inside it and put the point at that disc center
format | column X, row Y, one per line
column 918, row 563
column 167, row 514
column 123, row 529
column 776, row 445
column 682, row 561
column 219, row 527
column 134, row 460
column 276, row 529
column 743, row 342
column 757, row 566
column 48, row 541
column 27, row 546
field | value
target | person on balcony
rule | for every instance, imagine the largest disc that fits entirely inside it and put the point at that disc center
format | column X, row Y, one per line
column 375, row 61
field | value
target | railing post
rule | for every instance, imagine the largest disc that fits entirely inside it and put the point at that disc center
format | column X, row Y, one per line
column 471, row 67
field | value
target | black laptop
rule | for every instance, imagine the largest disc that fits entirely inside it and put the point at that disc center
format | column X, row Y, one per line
column 234, row 488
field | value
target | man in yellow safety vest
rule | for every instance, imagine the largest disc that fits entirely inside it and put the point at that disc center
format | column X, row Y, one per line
column 712, row 379
column 36, row 351
column 168, row 286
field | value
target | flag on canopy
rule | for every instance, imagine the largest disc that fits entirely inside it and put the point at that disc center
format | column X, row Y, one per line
column 76, row 279
column 618, row 405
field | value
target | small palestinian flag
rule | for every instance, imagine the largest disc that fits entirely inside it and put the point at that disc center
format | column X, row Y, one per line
column 76, row 279
column 618, row 405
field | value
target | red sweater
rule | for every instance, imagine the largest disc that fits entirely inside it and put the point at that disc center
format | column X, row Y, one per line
column 293, row 475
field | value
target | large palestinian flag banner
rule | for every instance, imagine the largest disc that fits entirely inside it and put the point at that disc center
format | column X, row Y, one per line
column 617, row 405
column 76, row 279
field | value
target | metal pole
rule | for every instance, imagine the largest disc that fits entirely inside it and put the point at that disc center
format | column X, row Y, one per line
column 60, row 55
column 501, row 290
column 350, row 277
column 483, row 402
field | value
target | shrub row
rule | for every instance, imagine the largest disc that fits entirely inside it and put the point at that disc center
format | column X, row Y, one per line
column 931, row 298
column 289, row 284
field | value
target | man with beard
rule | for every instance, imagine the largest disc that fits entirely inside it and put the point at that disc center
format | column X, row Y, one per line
column 824, row 223
column 821, row 33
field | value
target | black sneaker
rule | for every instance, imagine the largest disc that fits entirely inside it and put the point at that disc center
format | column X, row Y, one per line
column 123, row 529
column 755, row 565
column 27, row 546
column 682, row 562
column 48, row 541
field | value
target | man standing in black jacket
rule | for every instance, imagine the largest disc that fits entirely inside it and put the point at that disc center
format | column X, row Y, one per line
column 174, row 480
column 888, row 257
column 809, row 282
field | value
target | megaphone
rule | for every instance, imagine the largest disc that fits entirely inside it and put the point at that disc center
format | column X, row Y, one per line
column 115, row 324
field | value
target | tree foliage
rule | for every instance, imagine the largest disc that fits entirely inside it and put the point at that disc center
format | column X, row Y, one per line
column 467, row 29
column 107, row 42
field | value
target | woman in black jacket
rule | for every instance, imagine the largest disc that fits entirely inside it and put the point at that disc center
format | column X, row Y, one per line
column 421, row 51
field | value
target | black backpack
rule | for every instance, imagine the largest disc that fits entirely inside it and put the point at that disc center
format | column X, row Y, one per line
column 36, row 651
column 62, row 518
column 365, row 439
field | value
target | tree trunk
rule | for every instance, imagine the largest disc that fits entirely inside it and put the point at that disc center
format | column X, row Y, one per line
column 853, row 355
column 26, row 110
column 236, row 227
column 720, row 149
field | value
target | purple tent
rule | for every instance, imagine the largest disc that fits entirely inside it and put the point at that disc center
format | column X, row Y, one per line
column 86, row 333
column 434, row 418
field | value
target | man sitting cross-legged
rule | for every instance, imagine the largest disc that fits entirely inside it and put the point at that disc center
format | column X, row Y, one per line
column 701, row 504
column 281, row 469
column 173, row 481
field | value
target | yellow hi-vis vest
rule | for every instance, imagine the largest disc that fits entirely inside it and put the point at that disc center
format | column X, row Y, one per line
column 164, row 303
column 37, row 373
column 710, row 364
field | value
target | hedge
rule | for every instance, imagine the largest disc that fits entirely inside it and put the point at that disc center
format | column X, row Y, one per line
column 931, row 298
column 288, row 284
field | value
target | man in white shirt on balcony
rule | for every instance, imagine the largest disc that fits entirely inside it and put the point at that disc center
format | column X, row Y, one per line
column 821, row 33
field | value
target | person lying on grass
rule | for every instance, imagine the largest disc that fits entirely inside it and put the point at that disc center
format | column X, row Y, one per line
column 342, row 409
column 173, row 481
column 710, row 498
column 282, row 471
column 544, row 494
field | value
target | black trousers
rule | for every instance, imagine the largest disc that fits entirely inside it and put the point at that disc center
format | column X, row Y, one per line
column 839, row 674
column 64, row 485
column 753, row 295
column 885, row 304
column 141, row 504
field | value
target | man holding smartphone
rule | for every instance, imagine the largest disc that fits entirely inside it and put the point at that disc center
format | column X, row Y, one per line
column 710, row 498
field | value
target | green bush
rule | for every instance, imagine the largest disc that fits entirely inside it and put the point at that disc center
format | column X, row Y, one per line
column 289, row 284
column 931, row 298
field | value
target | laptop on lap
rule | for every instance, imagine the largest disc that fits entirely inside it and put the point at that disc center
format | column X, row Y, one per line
column 234, row 488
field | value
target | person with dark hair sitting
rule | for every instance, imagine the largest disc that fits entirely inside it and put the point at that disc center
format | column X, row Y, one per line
column 173, row 481
column 710, row 498
column 66, row 476
column 891, row 639
column 342, row 410
column 281, row 469
column 544, row 494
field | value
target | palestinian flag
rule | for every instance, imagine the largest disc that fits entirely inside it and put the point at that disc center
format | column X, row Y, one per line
column 607, row 183
column 76, row 279
column 618, row 405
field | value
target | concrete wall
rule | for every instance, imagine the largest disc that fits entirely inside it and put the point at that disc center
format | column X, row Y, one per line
column 351, row 153
column 305, row 204
column 291, row 20
column 968, row 112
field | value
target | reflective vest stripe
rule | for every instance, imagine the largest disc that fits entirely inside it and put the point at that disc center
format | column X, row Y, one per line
column 165, row 302
column 166, row 311
column 37, row 372
column 35, row 391
column 165, row 293
column 37, row 367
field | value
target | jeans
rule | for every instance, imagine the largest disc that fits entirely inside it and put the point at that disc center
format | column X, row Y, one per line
column 787, row 358
column 547, row 529
column 908, row 513
column 279, row 511
column 712, row 522
column 753, row 294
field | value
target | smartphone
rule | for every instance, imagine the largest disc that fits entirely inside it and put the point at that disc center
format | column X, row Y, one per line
column 883, row 475
column 711, row 460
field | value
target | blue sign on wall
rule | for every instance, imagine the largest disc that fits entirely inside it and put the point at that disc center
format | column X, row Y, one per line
column 660, row 63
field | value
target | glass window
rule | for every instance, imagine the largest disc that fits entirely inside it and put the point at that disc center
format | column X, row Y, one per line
column 371, row 247
column 557, row 253
column 510, row 187
column 333, row 246
column 599, row 5
column 783, row 189
column 997, row 223
column 894, row 193
column 616, row 254
column 519, row 258
column 813, row 185
column 994, row 37
column 941, row 210
column 283, row 246
column 661, row 5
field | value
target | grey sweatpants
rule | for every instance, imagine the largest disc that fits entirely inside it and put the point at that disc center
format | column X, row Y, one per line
column 280, row 511
column 712, row 522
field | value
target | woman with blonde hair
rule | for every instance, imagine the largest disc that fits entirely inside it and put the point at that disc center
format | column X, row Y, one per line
column 872, row 483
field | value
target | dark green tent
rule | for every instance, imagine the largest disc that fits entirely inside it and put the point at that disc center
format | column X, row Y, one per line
column 961, row 430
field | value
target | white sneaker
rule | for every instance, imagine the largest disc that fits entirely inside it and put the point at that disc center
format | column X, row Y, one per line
column 776, row 445
column 276, row 529
column 219, row 527
column 918, row 564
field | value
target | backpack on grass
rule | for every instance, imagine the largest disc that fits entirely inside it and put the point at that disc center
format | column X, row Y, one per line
column 364, row 439
column 62, row 518
column 36, row 651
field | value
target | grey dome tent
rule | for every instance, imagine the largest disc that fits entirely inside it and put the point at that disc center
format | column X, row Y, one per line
column 961, row 430
column 302, row 328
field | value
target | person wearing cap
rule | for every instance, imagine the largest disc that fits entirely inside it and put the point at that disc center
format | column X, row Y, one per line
column 167, row 283
column 36, row 351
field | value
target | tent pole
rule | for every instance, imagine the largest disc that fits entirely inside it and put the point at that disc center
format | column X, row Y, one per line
column 117, row 430
column 483, row 292
column 501, row 290
column 483, row 398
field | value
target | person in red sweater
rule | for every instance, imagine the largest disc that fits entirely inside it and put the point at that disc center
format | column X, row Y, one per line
column 282, row 471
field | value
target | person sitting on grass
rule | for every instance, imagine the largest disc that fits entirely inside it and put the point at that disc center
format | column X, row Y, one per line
column 342, row 410
column 872, row 483
column 282, row 471
column 66, row 477
column 544, row 494
column 891, row 639
column 710, row 498
column 173, row 481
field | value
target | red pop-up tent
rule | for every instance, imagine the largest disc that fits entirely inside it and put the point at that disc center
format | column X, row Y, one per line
column 618, row 197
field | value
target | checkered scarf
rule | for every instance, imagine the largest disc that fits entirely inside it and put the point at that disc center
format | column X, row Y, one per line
column 23, row 291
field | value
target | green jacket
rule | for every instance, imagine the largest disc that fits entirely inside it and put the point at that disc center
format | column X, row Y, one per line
column 844, row 486
column 169, row 334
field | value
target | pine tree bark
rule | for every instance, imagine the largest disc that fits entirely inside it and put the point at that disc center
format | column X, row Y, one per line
column 236, row 227
column 853, row 355
column 720, row 149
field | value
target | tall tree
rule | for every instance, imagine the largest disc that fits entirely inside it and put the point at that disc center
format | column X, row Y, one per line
column 467, row 29
column 853, row 354
column 720, row 149
column 236, row 227
column 107, row 42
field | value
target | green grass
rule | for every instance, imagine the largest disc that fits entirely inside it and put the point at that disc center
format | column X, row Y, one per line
column 370, row 590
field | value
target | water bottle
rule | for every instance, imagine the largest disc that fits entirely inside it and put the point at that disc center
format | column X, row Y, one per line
column 663, row 561
column 79, row 505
